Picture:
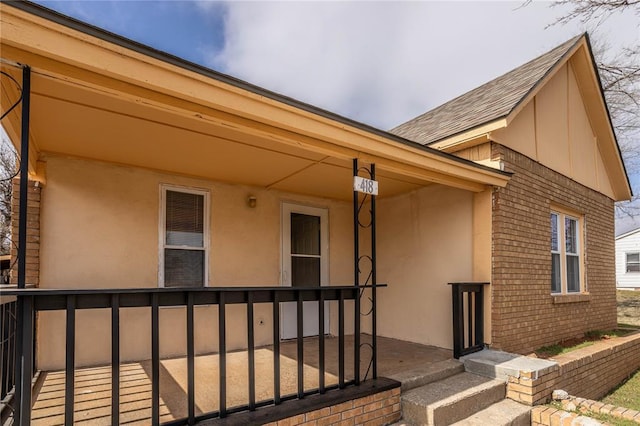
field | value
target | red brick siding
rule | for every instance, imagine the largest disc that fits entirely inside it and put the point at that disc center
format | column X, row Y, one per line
column 379, row 409
column 33, row 233
column 524, row 316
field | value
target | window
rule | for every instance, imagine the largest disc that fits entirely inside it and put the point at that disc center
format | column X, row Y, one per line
column 633, row 262
column 183, row 237
column 566, row 257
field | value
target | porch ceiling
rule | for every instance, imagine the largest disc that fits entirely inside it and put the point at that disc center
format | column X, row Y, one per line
column 70, row 119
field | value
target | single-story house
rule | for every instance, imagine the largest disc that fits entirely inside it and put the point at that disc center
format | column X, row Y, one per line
column 173, row 211
column 628, row 260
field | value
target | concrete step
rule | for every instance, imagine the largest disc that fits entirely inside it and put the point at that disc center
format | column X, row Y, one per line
column 450, row 400
column 501, row 365
column 504, row 413
column 428, row 373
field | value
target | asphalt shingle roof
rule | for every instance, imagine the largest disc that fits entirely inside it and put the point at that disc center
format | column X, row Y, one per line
column 484, row 104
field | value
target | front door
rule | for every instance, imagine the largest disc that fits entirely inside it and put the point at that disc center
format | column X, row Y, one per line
column 305, row 248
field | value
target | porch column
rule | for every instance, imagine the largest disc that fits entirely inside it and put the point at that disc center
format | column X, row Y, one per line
column 25, row 316
column 365, row 188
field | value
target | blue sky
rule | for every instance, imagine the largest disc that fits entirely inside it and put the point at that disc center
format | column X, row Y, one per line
column 177, row 27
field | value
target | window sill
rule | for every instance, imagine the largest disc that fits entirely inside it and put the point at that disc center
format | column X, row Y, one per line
column 571, row 298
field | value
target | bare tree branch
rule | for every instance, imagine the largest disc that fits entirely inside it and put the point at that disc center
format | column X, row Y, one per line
column 593, row 12
column 8, row 168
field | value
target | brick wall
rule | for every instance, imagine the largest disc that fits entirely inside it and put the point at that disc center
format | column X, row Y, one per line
column 33, row 233
column 577, row 412
column 379, row 409
column 525, row 316
column 589, row 372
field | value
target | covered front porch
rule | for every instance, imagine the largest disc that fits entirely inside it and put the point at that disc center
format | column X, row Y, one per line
column 93, row 385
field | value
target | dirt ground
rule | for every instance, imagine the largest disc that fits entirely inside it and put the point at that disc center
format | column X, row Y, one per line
column 629, row 307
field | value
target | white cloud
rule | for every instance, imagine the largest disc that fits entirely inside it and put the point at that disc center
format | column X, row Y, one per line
column 384, row 62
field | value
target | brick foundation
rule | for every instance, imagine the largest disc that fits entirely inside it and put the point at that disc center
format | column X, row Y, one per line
column 33, row 233
column 574, row 409
column 379, row 409
column 589, row 372
column 525, row 316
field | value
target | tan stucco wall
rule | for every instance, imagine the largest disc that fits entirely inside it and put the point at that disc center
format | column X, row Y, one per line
column 99, row 229
column 482, row 243
column 554, row 129
column 424, row 242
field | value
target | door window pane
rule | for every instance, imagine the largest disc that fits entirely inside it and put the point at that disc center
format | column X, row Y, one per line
column 305, row 234
column 305, row 271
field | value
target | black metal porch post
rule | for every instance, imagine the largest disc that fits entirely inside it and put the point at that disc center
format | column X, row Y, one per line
column 356, row 279
column 24, row 337
column 374, row 350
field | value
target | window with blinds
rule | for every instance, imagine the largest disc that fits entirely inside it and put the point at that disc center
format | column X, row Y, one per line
column 184, row 237
column 566, row 255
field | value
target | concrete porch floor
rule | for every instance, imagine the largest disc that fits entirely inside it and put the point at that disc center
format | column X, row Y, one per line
column 93, row 385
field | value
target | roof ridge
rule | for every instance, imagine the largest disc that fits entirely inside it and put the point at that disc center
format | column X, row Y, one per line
column 485, row 103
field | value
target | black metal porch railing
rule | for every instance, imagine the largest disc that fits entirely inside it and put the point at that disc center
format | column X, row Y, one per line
column 8, row 312
column 468, row 318
column 70, row 301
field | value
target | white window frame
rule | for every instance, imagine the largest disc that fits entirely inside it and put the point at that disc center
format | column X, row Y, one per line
column 162, row 229
column 559, row 228
column 626, row 262
column 562, row 251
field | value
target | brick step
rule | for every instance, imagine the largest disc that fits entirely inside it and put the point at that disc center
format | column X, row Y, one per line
column 504, row 413
column 428, row 373
column 450, row 400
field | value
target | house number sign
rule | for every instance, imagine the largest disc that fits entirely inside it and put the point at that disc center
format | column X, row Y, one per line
column 364, row 185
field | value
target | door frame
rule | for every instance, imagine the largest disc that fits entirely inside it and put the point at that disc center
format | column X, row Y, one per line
column 288, row 207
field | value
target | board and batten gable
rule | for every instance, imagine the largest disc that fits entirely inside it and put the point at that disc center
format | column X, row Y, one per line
column 628, row 243
column 554, row 129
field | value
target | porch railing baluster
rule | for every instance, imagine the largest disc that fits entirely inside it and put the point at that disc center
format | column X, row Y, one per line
column 276, row 348
column 155, row 360
column 191, row 387
column 251, row 354
column 222, row 354
column 69, row 388
column 115, row 359
column 24, row 341
column 479, row 316
column 470, row 318
column 468, row 314
column 7, row 346
column 321, row 332
column 300, row 342
column 341, row 339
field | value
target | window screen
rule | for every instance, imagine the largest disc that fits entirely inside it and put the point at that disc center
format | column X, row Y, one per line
column 633, row 262
column 184, row 239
